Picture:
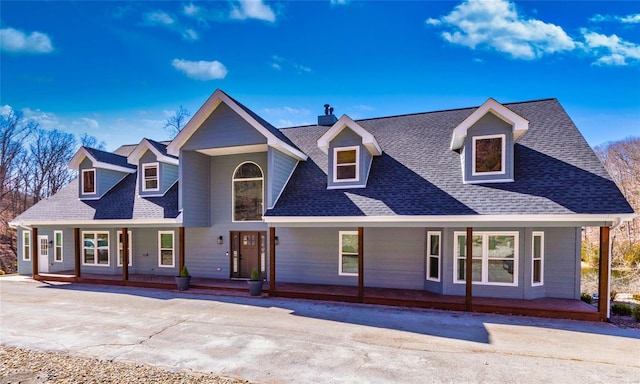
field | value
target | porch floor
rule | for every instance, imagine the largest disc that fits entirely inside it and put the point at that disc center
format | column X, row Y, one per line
column 544, row 307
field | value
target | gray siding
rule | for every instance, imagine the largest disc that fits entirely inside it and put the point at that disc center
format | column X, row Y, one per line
column 489, row 124
column 105, row 179
column 194, row 189
column 280, row 168
column 167, row 174
column 562, row 263
column 348, row 138
column 224, row 128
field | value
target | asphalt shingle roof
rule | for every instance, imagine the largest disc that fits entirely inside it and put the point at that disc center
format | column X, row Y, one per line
column 556, row 172
column 109, row 157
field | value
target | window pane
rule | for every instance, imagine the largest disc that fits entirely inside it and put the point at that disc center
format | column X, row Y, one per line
column 489, row 155
column 501, row 271
column 476, row 267
column 89, row 241
column 248, row 200
column 346, row 157
column 434, row 268
column 151, row 172
column 435, row 245
column 58, row 238
column 537, row 271
column 349, row 264
column 462, row 246
column 103, row 240
column 166, row 240
column 58, row 253
column 103, row 256
column 477, row 247
column 350, row 243
column 89, row 256
column 537, row 246
column 501, row 247
column 166, row 257
column 87, row 182
column 248, row 171
column 346, row 172
column 27, row 238
column 151, row 184
column 462, row 273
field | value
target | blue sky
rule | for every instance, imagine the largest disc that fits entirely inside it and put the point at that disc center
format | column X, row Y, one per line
column 117, row 70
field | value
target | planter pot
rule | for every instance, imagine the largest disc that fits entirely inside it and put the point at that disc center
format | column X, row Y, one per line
column 255, row 287
column 183, row 282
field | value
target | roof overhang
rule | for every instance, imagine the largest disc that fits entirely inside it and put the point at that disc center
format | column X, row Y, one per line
column 207, row 109
column 75, row 161
column 117, row 223
column 145, row 145
column 520, row 125
column 550, row 220
column 368, row 140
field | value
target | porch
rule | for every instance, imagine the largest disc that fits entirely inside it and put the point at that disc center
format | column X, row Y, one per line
column 544, row 307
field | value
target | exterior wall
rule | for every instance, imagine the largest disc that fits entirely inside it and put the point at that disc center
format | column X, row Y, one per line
column 224, row 128
column 489, row 124
column 167, row 174
column 348, row 138
column 280, row 167
column 145, row 252
column 194, row 189
column 105, row 179
column 562, row 262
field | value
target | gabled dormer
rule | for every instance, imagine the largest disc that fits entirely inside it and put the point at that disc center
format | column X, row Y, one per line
column 98, row 171
column 486, row 142
column 157, row 170
column 350, row 148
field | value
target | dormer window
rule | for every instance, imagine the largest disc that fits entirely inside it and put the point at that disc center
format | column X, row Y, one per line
column 88, row 181
column 488, row 155
column 345, row 164
column 150, row 175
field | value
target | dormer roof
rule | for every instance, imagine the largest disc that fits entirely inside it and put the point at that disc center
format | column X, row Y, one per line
column 158, row 149
column 101, row 159
column 368, row 140
column 274, row 137
column 520, row 125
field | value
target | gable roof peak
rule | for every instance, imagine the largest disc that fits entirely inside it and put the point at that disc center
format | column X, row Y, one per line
column 520, row 125
column 158, row 149
column 368, row 140
column 101, row 159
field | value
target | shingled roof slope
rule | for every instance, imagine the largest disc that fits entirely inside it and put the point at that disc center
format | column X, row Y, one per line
column 109, row 157
column 556, row 172
column 121, row 203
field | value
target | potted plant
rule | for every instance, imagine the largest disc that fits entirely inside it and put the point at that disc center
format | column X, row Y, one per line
column 255, row 283
column 183, row 279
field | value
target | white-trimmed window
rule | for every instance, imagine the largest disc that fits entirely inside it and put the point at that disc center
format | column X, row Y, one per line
column 95, row 247
column 248, row 183
column 346, row 166
column 88, row 181
column 494, row 258
column 537, row 250
column 166, row 247
column 26, row 245
column 150, row 178
column 57, row 246
column 489, row 155
column 348, row 255
column 433, row 256
column 120, row 246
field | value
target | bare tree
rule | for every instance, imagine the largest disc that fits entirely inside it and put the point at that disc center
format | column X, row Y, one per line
column 89, row 141
column 50, row 152
column 177, row 121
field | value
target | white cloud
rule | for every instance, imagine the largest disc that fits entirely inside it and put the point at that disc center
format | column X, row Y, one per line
column 85, row 123
column 497, row 25
column 252, row 9
column 5, row 110
column 191, row 9
column 190, row 34
column 301, row 68
column 276, row 66
column 628, row 19
column 46, row 120
column 339, row 2
column 201, row 70
column 286, row 111
column 159, row 18
column 611, row 50
column 14, row 41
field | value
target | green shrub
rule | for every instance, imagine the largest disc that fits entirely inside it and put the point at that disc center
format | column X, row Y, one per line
column 636, row 313
column 621, row 309
column 255, row 275
column 184, row 272
column 587, row 298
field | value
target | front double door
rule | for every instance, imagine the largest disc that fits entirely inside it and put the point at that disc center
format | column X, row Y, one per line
column 248, row 251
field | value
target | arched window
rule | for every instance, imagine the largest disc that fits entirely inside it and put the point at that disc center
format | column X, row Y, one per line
column 247, row 192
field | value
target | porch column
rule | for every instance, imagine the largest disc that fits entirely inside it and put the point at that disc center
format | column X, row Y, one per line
column 272, row 260
column 469, row 270
column 180, row 249
column 125, row 254
column 603, row 275
column 360, row 264
column 76, row 249
column 34, row 251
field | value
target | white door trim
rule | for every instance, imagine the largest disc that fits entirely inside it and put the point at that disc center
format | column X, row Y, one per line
column 43, row 257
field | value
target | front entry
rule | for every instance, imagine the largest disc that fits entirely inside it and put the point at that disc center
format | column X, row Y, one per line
column 248, row 251
column 43, row 254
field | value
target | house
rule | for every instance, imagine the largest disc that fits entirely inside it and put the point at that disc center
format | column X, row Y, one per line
column 385, row 203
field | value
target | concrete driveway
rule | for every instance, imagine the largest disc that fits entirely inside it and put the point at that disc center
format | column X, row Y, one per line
column 281, row 341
